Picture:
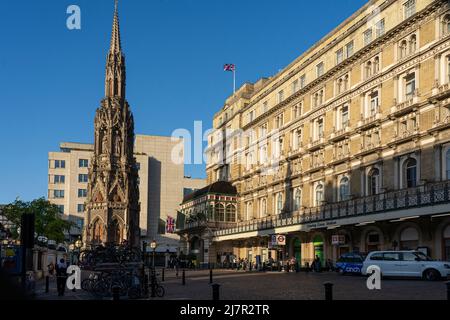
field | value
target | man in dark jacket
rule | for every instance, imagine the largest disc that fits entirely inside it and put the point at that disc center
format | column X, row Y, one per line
column 61, row 276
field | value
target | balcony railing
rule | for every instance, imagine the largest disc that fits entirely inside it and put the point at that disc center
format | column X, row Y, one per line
column 370, row 121
column 421, row 196
column 316, row 144
column 408, row 104
column 341, row 133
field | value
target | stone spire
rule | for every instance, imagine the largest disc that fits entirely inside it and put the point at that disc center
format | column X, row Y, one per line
column 115, row 79
column 112, row 206
column 115, row 35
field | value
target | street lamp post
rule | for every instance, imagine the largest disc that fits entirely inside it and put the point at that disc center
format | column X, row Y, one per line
column 78, row 245
column 153, row 245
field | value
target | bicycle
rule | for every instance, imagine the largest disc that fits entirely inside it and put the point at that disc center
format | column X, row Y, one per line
column 159, row 289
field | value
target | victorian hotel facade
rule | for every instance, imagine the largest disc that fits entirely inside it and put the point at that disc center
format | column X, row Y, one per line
column 346, row 149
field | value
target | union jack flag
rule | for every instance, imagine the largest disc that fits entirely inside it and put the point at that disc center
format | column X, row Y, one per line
column 170, row 225
column 229, row 67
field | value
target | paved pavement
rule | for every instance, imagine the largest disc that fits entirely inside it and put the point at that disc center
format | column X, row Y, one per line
column 240, row 285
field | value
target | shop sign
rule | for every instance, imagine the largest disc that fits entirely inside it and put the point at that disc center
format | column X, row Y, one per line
column 277, row 240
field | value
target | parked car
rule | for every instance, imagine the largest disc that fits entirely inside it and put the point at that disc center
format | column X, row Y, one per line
column 350, row 263
column 407, row 264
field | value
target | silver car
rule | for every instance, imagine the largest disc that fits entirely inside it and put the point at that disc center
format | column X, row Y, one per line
column 407, row 264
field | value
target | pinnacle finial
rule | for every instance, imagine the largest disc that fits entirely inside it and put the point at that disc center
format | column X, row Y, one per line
column 115, row 36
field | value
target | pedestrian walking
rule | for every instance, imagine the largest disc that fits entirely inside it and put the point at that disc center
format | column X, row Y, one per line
column 61, row 276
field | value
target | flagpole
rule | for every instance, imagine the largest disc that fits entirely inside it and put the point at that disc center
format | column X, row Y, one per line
column 234, row 80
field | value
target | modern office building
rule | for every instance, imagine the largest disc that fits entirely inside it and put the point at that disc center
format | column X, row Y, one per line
column 345, row 149
column 161, row 185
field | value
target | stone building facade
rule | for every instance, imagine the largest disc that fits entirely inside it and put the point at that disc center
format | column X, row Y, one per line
column 348, row 147
column 161, row 185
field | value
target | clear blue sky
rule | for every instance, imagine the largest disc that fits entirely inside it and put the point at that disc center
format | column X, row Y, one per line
column 52, row 79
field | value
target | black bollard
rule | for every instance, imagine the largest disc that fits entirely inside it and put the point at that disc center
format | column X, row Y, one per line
column 210, row 276
column 47, row 283
column 328, row 291
column 153, row 285
column 216, row 291
column 448, row 290
column 183, row 278
column 162, row 275
column 116, row 293
column 146, row 284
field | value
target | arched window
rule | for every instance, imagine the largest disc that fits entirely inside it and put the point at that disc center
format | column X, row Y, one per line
column 116, row 232
column 263, row 208
column 412, row 44
column 297, row 199
column 339, row 86
column 319, row 195
column 249, row 212
column 279, row 203
column 368, row 69
column 411, row 173
column 446, row 24
column 220, row 212
column 403, row 49
column 374, row 182
column 447, row 164
column 97, row 234
column 409, row 239
column 376, row 65
column 346, row 82
column 344, row 189
column 231, row 213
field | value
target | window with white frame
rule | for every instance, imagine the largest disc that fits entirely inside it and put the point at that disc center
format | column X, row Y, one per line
column 447, row 164
column 339, row 56
column 297, row 110
column 344, row 117
column 249, row 213
column 263, row 208
column 280, row 96
column 319, row 195
column 409, row 8
column 349, row 49
column 373, row 182
column 319, row 129
column 279, row 121
column 373, row 104
column 379, row 28
column 320, row 69
column 368, row 69
column 265, row 106
column 413, row 44
column 403, row 49
column 344, row 188
column 367, row 36
column 410, row 86
column 318, row 98
column 448, row 68
column 445, row 25
column 376, row 65
column 279, row 203
column 296, row 138
column 263, row 154
column 302, row 81
column 295, row 86
column 263, row 130
column 342, row 84
column 410, row 173
column 297, row 199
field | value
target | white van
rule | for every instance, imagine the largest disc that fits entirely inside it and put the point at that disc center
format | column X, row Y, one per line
column 406, row 264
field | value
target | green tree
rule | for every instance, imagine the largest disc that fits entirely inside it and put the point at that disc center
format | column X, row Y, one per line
column 48, row 219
